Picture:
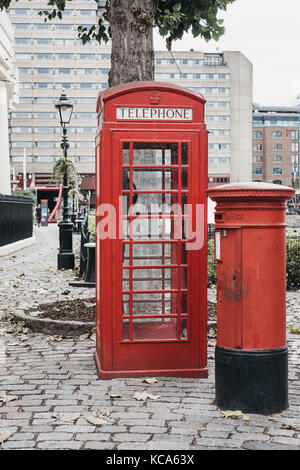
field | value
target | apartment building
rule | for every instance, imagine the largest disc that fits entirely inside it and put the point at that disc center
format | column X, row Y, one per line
column 276, row 145
column 51, row 57
column 226, row 82
column 8, row 96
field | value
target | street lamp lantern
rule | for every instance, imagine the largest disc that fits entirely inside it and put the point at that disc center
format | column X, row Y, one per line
column 65, row 109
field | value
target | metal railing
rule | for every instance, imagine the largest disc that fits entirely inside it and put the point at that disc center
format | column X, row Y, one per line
column 15, row 219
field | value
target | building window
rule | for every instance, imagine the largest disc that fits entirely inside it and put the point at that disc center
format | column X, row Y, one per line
column 43, row 99
column 65, row 56
column 64, row 85
column 257, row 147
column 105, row 56
column 43, row 56
column 295, row 147
column 21, row 26
column 85, row 144
column 43, row 115
column 43, row 159
column 257, row 135
column 24, row 70
column 277, row 147
column 41, row 70
column 26, row 85
column 43, row 41
column 86, row 71
column 86, row 130
column 87, row 159
column 64, row 27
column 257, row 171
column 44, row 144
column 257, row 159
column 64, row 42
column 86, row 12
column 86, row 85
column 43, row 85
column 277, row 135
column 86, row 115
column 42, row 26
column 277, row 171
column 277, row 159
column 22, row 144
column 277, row 182
column 25, row 100
column 43, row 130
column 21, row 115
column 86, row 56
column 295, row 159
column 22, row 41
column 295, row 135
column 19, row 11
column 64, row 71
column 22, row 130
column 83, row 100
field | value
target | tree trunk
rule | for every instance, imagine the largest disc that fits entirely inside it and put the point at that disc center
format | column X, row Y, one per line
column 132, row 56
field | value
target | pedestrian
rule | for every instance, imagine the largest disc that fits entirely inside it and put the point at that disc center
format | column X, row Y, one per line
column 38, row 215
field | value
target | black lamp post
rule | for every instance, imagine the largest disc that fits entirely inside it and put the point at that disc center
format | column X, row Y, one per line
column 65, row 257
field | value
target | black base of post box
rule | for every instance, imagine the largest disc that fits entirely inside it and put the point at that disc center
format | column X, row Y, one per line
column 65, row 260
column 252, row 381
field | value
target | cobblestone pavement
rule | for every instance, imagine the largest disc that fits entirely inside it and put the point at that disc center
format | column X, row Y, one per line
column 52, row 398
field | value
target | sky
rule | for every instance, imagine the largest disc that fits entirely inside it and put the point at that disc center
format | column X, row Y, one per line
column 267, row 33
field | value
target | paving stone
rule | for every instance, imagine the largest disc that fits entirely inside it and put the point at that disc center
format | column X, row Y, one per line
column 97, row 445
column 126, row 437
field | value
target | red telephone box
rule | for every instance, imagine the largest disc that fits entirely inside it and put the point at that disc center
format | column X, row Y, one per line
column 151, row 172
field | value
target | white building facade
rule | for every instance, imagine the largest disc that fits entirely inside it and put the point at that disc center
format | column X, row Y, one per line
column 8, row 96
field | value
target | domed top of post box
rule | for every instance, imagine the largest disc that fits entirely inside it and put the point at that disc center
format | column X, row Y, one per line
column 251, row 190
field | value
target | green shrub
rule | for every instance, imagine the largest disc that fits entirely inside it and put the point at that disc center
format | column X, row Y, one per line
column 292, row 263
column 211, row 265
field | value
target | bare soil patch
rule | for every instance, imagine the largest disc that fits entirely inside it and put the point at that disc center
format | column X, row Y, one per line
column 83, row 310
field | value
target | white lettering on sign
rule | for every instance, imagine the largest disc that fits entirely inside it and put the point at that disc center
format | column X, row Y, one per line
column 153, row 114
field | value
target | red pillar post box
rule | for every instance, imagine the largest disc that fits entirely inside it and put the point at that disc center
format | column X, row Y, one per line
column 151, row 153
column 251, row 352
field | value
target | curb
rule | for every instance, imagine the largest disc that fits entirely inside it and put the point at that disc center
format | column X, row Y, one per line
column 54, row 327
column 16, row 246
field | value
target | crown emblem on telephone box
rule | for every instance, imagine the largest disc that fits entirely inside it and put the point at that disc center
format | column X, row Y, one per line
column 154, row 99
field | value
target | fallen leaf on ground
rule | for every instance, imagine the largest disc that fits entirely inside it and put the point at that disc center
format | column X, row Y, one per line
column 98, row 417
column 66, row 292
column 93, row 337
column 35, row 314
column 85, row 336
column 272, row 418
column 6, row 398
column 4, row 435
column 151, row 381
column 235, row 415
column 144, row 396
column 295, row 331
column 68, row 417
column 289, row 426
